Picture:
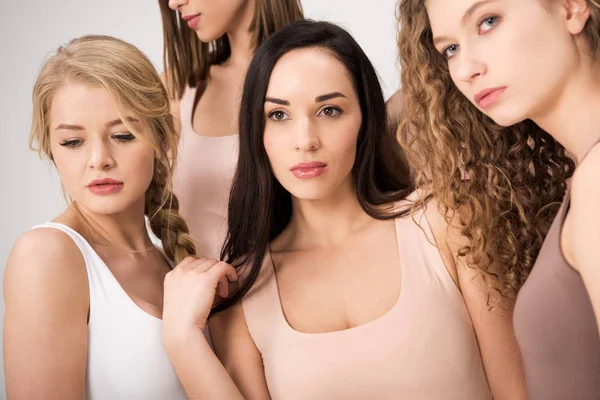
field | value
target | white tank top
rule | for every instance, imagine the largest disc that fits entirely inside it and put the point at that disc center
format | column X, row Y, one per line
column 126, row 358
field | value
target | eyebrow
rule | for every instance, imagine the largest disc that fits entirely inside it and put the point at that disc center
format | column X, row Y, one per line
column 318, row 99
column 468, row 14
column 109, row 124
column 329, row 96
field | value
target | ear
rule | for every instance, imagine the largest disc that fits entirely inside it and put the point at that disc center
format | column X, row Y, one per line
column 577, row 13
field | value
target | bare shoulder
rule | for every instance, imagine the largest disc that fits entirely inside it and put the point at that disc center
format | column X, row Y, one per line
column 446, row 236
column 43, row 260
column 395, row 105
column 45, row 321
column 585, row 188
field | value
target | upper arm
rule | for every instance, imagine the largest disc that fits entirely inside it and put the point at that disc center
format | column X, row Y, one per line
column 493, row 327
column 584, row 216
column 235, row 348
column 45, row 323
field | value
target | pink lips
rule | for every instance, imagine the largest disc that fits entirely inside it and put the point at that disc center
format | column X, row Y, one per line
column 308, row 170
column 487, row 97
column 192, row 20
column 104, row 186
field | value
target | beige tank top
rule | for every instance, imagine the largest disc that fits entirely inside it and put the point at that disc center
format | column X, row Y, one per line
column 202, row 181
column 423, row 348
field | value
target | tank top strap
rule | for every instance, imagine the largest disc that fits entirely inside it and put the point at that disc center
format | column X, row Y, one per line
column 419, row 254
column 103, row 286
column 262, row 307
column 589, row 150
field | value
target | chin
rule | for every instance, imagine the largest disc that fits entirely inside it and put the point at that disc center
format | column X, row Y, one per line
column 107, row 206
column 310, row 194
column 506, row 118
column 207, row 37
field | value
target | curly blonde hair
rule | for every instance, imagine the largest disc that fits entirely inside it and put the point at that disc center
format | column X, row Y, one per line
column 502, row 185
column 132, row 81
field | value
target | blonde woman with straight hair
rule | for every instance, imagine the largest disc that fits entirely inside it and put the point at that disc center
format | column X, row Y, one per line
column 84, row 292
column 208, row 45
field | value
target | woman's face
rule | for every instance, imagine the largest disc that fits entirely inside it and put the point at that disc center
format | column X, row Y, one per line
column 105, row 168
column 211, row 19
column 511, row 58
column 313, row 119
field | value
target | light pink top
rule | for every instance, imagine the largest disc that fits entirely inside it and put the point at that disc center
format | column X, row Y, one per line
column 202, row 181
column 423, row 348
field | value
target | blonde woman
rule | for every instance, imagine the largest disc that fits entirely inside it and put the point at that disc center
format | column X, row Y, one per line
column 208, row 46
column 84, row 292
column 502, row 90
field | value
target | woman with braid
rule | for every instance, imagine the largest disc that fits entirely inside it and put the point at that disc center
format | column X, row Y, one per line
column 84, row 292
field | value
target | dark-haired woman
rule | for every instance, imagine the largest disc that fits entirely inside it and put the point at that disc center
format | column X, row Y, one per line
column 344, row 294
column 208, row 46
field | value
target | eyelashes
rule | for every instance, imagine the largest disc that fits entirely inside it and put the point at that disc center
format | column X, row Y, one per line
column 327, row 112
column 484, row 25
column 118, row 137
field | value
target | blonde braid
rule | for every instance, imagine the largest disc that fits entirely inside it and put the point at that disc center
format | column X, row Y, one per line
column 162, row 209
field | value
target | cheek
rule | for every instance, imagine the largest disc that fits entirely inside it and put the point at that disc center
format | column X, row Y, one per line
column 275, row 145
column 136, row 163
column 344, row 143
column 70, row 166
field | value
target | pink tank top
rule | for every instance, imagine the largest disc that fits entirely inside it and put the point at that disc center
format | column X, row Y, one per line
column 423, row 348
column 202, row 181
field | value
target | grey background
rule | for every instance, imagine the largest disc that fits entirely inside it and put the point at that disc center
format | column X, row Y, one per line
column 30, row 189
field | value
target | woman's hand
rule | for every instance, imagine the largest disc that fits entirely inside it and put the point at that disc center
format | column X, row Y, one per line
column 189, row 293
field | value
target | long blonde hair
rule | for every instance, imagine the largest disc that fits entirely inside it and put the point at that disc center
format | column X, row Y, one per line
column 187, row 60
column 127, row 74
column 504, row 183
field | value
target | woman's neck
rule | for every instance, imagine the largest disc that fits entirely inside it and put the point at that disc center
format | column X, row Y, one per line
column 573, row 118
column 240, row 38
column 125, row 230
column 325, row 222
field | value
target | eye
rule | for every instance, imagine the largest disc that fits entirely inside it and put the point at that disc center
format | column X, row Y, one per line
column 487, row 23
column 71, row 143
column 449, row 51
column 123, row 137
column 331, row 111
column 277, row 115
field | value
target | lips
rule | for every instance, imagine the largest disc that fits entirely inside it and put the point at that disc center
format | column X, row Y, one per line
column 489, row 96
column 192, row 20
column 308, row 170
column 104, row 186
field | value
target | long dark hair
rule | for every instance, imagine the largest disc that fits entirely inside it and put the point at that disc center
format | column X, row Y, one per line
column 187, row 60
column 259, row 207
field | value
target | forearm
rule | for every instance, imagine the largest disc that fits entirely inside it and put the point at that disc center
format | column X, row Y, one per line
column 200, row 371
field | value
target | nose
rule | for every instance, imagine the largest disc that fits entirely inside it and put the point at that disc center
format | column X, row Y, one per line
column 101, row 157
column 470, row 68
column 306, row 137
column 177, row 4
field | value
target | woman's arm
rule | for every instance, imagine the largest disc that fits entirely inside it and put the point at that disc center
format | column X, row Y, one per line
column 494, row 328
column 238, row 353
column 189, row 294
column 45, row 324
column 584, row 216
